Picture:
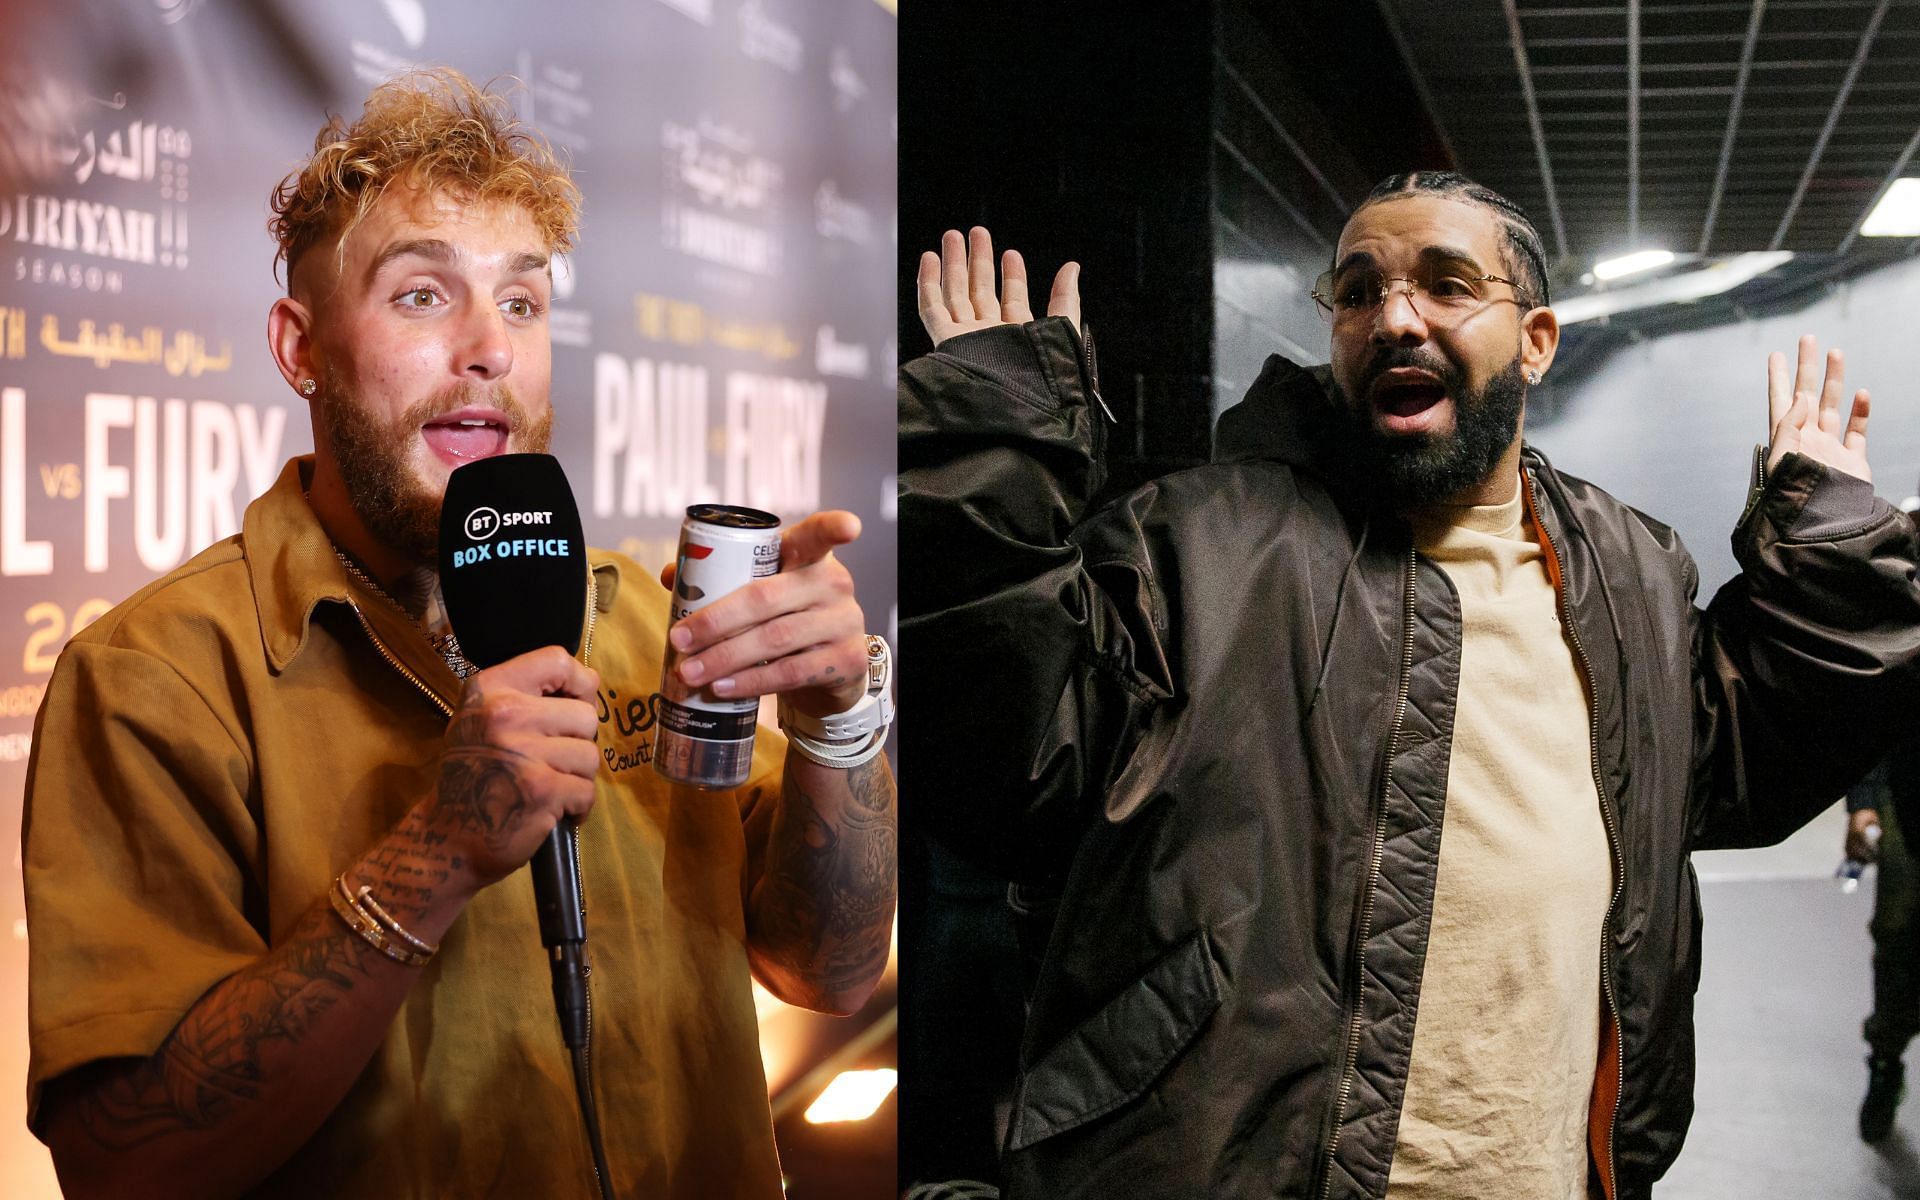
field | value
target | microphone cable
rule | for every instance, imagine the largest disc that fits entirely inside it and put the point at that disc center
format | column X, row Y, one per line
column 573, row 1001
column 582, row 1086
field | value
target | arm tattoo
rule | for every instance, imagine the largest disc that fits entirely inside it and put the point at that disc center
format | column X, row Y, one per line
column 826, row 897
column 229, row 1049
column 479, row 797
column 212, row 1062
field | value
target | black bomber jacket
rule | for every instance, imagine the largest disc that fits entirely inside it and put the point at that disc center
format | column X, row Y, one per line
column 1215, row 716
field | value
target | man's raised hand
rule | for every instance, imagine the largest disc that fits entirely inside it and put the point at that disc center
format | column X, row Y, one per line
column 1804, row 412
column 1862, row 846
column 957, row 294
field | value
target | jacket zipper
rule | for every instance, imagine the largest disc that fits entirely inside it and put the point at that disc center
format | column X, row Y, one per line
column 1756, row 484
column 1351, row 1051
column 593, row 606
column 397, row 665
column 1606, row 815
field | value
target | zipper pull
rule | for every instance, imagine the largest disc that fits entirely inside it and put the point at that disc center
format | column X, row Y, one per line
column 1758, row 483
column 1093, row 371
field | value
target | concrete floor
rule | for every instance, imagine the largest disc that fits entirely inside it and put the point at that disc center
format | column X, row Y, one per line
column 1783, row 990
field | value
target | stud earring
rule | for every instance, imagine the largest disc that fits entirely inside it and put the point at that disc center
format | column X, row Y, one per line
column 1532, row 377
column 308, row 387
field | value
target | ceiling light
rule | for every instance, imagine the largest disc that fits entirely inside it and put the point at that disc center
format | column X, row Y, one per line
column 1897, row 214
column 1681, row 288
column 1629, row 264
column 853, row 1096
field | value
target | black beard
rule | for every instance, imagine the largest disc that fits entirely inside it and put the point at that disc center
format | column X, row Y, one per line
column 1404, row 471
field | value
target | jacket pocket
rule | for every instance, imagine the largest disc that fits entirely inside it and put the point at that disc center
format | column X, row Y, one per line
column 1115, row 1055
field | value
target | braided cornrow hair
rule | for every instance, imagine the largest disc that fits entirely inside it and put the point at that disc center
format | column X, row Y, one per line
column 1528, row 264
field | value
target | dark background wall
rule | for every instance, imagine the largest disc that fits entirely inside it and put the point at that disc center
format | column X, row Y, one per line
column 1311, row 106
column 1197, row 159
column 1076, row 132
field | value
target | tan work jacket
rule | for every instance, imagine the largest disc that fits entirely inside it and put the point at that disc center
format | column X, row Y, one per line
column 214, row 751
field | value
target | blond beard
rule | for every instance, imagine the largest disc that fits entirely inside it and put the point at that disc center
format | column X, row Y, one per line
column 372, row 457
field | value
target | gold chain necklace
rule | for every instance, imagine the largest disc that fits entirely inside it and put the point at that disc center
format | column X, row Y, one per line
column 447, row 645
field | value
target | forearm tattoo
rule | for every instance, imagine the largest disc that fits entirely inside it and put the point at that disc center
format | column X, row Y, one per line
column 479, row 805
column 413, row 864
column 214, row 1061
column 224, row 1052
column 825, row 900
column 231, row 1048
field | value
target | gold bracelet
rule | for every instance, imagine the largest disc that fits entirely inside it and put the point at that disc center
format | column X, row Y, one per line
column 365, row 896
column 369, row 929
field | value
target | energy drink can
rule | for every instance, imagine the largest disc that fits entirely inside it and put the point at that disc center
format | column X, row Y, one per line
column 702, row 739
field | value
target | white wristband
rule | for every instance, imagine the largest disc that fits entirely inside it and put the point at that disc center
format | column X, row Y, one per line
column 841, row 757
column 873, row 712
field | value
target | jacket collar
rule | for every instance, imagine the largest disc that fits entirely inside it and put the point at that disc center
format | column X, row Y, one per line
column 1290, row 416
column 290, row 562
column 1287, row 416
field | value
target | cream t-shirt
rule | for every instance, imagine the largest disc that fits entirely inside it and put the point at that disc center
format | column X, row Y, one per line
column 1507, row 1034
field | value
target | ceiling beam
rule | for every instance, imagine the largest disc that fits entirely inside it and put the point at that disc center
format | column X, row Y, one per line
column 1252, row 96
column 1687, row 8
column 1899, row 168
column 1733, row 122
column 1669, row 39
column 1518, row 41
column 1399, row 35
column 1572, row 70
column 1633, row 124
column 1833, row 119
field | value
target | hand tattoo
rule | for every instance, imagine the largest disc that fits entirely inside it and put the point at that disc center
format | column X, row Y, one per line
column 480, row 793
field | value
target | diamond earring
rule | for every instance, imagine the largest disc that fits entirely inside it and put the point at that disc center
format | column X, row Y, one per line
column 308, row 387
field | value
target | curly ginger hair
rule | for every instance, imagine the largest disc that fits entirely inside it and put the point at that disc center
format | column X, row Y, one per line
column 431, row 130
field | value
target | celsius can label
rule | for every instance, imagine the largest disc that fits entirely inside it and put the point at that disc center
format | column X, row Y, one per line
column 702, row 739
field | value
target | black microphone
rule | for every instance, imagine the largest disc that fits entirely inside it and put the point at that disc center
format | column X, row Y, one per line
column 513, row 573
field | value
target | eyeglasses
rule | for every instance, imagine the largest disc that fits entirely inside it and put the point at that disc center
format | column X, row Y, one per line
column 1441, row 295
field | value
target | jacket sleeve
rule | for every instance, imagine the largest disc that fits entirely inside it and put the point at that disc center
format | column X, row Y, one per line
column 1807, row 663
column 136, row 838
column 1034, row 635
